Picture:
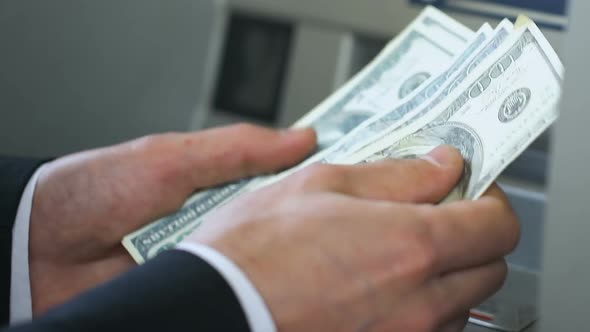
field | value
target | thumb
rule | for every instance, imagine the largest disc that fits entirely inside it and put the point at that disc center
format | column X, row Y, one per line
column 425, row 180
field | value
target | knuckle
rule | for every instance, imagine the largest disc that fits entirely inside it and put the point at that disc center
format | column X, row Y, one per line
column 154, row 144
column 425, row 239
column 158, row 156
column 423, row 258
column 148, row 142
column 426, row 257
column 242, row 159
column 245, row 129
column 320, row 176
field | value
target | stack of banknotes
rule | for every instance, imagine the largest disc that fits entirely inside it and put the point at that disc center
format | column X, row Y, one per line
column 489, row 93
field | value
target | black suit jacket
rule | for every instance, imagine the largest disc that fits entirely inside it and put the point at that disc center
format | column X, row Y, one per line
column 174, row 291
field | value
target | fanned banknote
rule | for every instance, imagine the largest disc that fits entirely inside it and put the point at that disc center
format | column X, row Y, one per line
column 404, row 112
column 417, row 55
column 504, row 105
column 422, row 51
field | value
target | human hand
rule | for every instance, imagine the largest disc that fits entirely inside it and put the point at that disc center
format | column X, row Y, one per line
column 363, row 248
column 85, row 203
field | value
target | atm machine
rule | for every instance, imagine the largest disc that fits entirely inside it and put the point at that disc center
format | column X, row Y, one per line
column 278, row 59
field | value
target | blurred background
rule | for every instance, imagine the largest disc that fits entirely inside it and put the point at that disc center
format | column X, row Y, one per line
column 80, row 74
column 77, row 74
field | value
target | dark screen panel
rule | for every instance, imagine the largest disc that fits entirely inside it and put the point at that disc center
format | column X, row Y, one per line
column 555, row 7
column 253, row 68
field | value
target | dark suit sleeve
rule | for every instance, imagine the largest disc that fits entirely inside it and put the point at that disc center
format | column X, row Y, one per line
column 14, row 176
column 176, row 291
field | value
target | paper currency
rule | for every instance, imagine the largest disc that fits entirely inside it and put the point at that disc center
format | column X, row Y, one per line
column 406, row 111
column 488, row 94
column 492, row 117
column 417, row 55
column 165, row 233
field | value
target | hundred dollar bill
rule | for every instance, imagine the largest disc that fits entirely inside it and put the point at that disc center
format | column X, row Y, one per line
column 420, row 52
column 165, row 233
column 410, row 110
column 402, row 115
column 491, row 118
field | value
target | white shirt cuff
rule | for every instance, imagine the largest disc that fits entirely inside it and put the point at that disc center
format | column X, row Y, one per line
column 257, row 314
column 20, row 284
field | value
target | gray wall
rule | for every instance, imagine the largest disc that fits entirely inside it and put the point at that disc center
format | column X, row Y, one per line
column 76, row 74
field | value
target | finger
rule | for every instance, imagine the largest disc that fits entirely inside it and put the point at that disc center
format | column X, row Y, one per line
column 445, row 298
column 457, row 292
column 496, row 192
column 426, row 180
column 472, row 233
column 457, row 324
column 224, row 154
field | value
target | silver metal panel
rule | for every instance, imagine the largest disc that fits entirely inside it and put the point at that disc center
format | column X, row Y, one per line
column 529, row 202
column 521, row 287
column 564, row 288
column 372, row 17
column 210, row 60
column 320, row 62
column 520, row 290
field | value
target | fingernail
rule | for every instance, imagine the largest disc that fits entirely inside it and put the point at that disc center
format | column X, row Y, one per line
column 289, row 131
column 440, row 156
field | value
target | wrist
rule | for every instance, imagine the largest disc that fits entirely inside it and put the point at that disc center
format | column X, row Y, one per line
column 255, row 309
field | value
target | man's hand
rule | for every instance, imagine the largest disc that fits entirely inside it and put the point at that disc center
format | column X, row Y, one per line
column 363, row 248
column 85, row 203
